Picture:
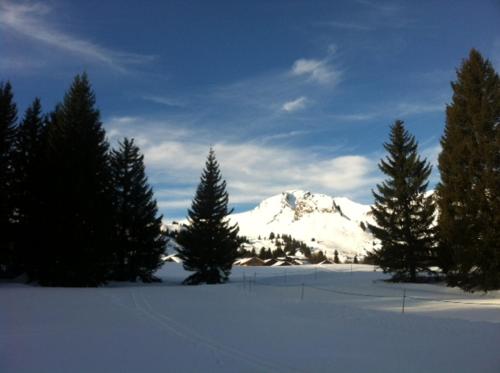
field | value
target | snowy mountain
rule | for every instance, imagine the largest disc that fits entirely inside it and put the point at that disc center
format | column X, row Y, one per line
column 320, row 221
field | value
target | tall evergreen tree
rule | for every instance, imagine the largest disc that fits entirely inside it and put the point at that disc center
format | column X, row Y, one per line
column 403, row 214
column 8, row 118
column 77, row 194
column 336, row 259
column 138, row 239
column 209, row 243
column 469, row 192
column 27, row 164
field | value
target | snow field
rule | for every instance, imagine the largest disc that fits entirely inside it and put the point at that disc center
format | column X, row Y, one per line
column 259, row 322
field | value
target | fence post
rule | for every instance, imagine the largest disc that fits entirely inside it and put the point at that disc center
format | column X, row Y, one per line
column 302, row 292
column 315, row 273
column 404, row 301
column 254, row 278
column 244, row 281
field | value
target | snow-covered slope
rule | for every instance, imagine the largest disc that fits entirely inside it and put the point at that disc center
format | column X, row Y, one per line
column 321, row 221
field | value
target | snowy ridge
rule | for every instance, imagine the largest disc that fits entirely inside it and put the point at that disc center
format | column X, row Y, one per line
column 320, row 221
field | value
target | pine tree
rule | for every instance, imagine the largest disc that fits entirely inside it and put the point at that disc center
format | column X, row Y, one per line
column 209, row 243
column 403, row 214
column 336, row 259
column 77, row 194
column 469, row 192
column 8, row 118
column 27, row 178
column 306, row 251
column 138, row 239
column 279, row 253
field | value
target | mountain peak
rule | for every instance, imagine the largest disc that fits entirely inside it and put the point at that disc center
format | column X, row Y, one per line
column 307, row 203
column 325, row 222
column 300, row 202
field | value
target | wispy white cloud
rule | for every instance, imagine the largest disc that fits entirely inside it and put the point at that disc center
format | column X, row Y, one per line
column 356, row 117
column 253, row 170
column 350, row 25
column 394, row 110
column 145, row 129
column 294, row 105
column 404, row 109
column 373, row 15
column 164, row 100
column 174, row 204
column 257, row 103
column 382, row 7
column 31, row 20
column 18, row 63
column 283, row 135
column 319, row 71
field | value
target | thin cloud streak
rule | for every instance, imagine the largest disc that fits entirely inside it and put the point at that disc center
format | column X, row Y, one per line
column 30, row 21
column 354, row 26
column 163, row 100
column 283, row 135
column 397, row 110
column 294, row 105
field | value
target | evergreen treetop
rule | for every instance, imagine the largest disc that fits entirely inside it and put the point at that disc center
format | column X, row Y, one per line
column 8, row 119
column 27, row 159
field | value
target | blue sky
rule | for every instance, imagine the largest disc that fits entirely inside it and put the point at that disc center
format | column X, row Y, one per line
column 291, row 94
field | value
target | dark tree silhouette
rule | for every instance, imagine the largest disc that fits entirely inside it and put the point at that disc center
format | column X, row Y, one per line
column 209, row 243
column 403, row 214
column 336, row 259
column 469, row 192
column 77, row 226
column 138, row 239
column 27, row 177
column 8, row 118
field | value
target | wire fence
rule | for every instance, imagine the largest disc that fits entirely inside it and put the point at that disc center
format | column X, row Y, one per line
column 249, row 282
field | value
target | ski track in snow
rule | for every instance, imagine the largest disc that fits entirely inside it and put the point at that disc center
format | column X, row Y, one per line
column 184, row 331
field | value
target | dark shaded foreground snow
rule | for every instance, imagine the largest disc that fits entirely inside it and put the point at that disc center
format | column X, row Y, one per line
column 264, row 320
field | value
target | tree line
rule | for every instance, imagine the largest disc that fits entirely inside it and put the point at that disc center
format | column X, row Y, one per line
column 73, row 212
column 285, row 246
column 457, row 228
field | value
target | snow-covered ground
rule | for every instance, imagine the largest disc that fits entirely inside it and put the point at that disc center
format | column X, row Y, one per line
column 264, row 320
